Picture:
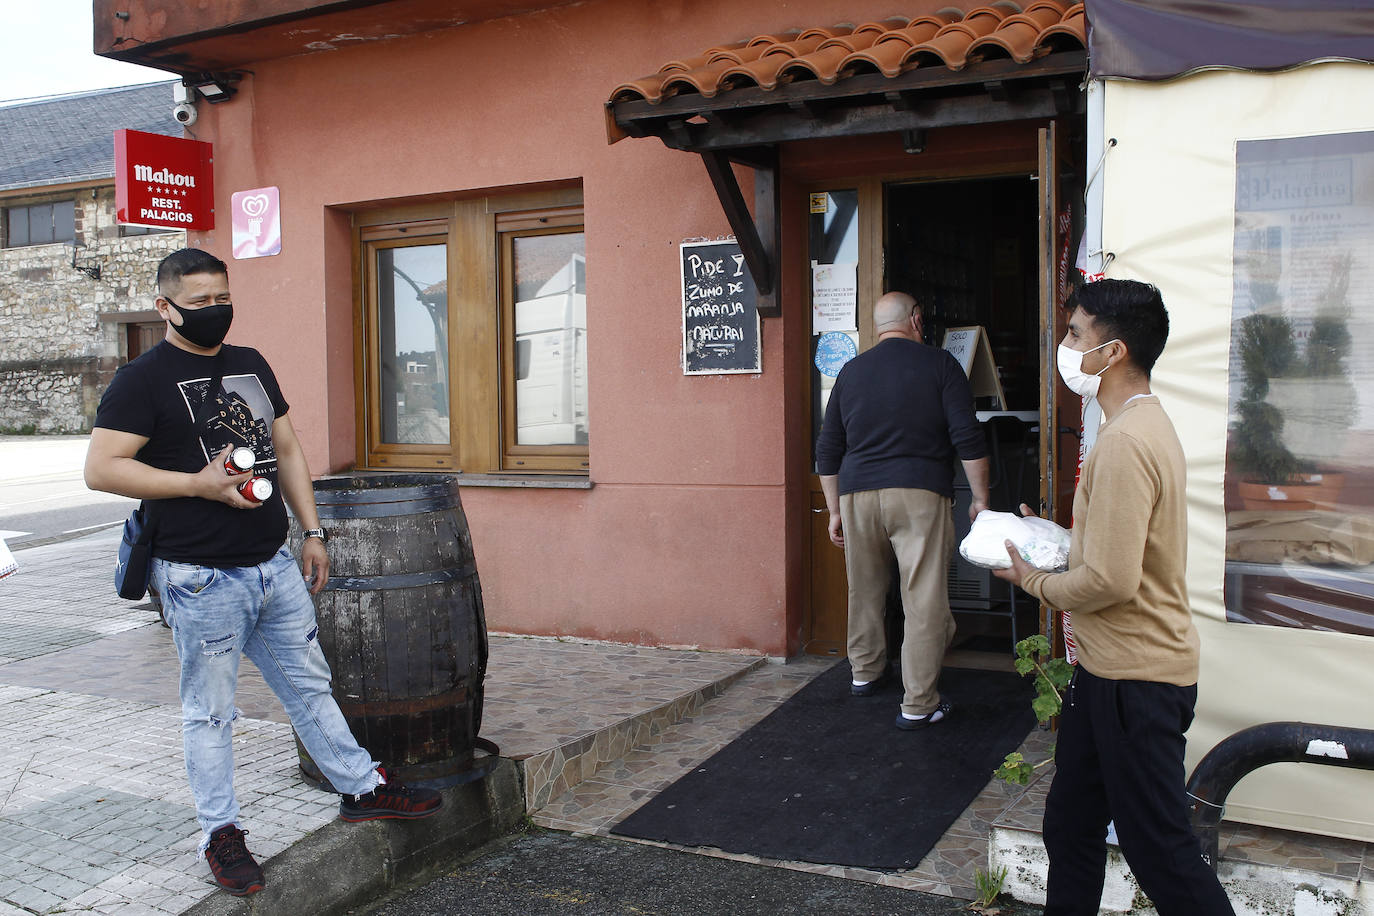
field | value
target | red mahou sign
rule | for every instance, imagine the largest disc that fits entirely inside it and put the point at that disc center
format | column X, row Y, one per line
column 163, row 181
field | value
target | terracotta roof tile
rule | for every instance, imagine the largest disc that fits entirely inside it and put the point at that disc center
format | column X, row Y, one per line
column 1001, row 29
column 1069, row 32
column 825, row 62
column 890, row 52
column 1017, row 35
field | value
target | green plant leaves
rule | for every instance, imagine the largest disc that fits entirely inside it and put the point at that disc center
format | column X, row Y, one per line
column 1050, row 680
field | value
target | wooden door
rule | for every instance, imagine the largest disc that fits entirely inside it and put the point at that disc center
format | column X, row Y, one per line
column 844, row 231
column 1058, row 406
column 143, row 336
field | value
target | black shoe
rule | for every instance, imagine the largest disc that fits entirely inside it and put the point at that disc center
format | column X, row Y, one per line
column 390, row 799
column 872, row 687
column 938, row 714
column 231, row 863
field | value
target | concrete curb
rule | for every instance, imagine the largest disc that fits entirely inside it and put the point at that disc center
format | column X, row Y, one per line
column 548, row 774
column 63, row 537
column 1254, row 888
column 343, row 866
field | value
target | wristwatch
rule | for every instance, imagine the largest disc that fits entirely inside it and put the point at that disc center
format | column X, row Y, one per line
column 315, row 533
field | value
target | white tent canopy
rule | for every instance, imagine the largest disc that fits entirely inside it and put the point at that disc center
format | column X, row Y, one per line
column 1170, row 217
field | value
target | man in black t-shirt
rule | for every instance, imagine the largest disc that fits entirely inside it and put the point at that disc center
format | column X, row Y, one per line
column 229, row 587
column 898, row 416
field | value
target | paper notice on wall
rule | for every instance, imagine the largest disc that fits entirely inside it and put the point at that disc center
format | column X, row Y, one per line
column 834, row 297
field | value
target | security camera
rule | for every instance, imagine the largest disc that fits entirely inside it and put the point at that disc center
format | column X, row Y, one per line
column 185, row 108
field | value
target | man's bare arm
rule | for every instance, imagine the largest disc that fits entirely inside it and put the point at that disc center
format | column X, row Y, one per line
column 830, row 486
column 977, row 473
column 293, row 474
column 112, row 468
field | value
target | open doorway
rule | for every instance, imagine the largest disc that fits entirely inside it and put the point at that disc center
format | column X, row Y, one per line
column 968, row 251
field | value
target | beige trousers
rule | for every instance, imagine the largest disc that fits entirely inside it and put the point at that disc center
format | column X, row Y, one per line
column 918, row 527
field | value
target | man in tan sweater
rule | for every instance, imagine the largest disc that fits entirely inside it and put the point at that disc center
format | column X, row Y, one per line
column 1120, row 751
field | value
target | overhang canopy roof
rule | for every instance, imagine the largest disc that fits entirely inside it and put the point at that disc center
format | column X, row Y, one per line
column 1161, row 39
column 1003, row 61
column 227, row 35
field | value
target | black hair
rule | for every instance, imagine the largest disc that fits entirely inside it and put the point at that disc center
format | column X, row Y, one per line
column 1130, row 311
column 187, row 261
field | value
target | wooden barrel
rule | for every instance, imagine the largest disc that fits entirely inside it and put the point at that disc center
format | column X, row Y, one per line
column 401, row 623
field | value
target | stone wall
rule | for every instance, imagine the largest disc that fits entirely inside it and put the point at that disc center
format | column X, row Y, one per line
column 62, row 333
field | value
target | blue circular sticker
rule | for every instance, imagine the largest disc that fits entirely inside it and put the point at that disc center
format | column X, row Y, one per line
column 833, row 350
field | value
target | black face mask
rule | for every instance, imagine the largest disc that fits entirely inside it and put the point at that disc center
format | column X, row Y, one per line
column 205, row 326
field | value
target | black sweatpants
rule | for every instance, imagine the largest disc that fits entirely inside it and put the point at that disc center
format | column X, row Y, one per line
column 1120, row 758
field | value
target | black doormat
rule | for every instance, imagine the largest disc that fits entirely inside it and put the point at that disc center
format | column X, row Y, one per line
column 828, row 778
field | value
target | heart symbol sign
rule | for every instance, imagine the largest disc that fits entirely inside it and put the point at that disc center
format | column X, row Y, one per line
column 255, row 205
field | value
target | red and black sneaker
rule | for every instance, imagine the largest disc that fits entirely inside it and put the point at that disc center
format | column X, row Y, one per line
column 390, row 799
column 231, row 863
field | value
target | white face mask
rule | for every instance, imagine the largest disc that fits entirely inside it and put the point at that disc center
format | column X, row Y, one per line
column 1070, row 364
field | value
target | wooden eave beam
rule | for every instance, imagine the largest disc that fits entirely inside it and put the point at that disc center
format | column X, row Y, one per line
column 764, row 157
column 810, row 95
column 780, row 125
column 758, row 233
column 903, row 101
column 1066, row 94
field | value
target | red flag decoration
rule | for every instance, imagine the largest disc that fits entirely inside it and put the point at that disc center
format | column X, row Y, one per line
column 163, row 181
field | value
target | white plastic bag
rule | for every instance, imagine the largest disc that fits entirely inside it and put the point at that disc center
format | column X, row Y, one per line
column 7, row 562
column 1042, row 544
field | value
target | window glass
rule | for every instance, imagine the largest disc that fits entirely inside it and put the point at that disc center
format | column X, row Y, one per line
column 412, row 319
column 130, row 231
column 41, row 224
column 548, row 274
column 64, row 221
column 833, row 232
column 1300, row 448
column 18, row 220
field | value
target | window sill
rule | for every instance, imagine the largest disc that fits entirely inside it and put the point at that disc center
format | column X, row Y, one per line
column 534, row 481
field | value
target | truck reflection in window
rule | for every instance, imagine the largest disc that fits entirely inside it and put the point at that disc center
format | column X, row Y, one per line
column 522, row 360
column 551, row 342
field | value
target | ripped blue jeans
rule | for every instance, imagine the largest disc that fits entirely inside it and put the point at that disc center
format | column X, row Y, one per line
column 266, row 613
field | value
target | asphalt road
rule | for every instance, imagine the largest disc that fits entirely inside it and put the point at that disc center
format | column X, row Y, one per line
column 42, row 495
column 545, row 873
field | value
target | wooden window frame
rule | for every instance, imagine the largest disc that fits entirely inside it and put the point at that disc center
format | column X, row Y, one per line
column 394, row 454
column 481, row 368
column 509, row 227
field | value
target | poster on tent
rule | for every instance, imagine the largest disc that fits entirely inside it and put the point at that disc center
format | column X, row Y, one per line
column 1300, row 446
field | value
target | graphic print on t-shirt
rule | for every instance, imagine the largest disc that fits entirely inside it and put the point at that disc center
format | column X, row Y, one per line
column 241, row 414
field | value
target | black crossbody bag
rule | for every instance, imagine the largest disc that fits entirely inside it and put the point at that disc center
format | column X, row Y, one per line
column 135, row 556
column 134, row 565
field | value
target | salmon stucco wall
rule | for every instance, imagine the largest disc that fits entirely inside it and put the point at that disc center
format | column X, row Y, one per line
column 682, row 540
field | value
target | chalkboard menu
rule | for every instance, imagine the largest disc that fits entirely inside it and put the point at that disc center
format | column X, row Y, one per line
column 720, row 319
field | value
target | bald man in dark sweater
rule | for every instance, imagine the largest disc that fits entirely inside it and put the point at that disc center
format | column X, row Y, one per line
column 899, row 415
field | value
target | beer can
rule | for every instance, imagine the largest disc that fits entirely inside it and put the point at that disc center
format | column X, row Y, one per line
column 256, row 488
column 240, row 460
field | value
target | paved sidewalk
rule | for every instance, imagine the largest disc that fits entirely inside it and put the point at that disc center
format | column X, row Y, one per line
column 94, row 806
column 97, row 817
column 93, row 798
